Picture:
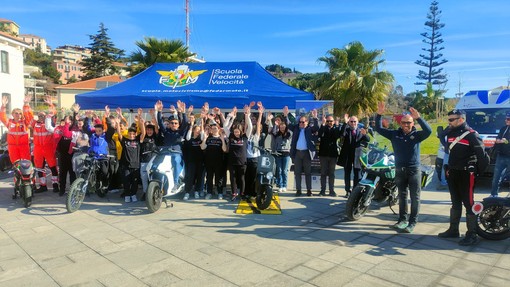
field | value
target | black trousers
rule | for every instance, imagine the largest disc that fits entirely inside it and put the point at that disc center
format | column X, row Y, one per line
column 65, row 165
column 461, row 184
column 215, row 171
column 193, row 175
column 237, row 178
column 131, row 180
column 250, row 177
column 348, row 169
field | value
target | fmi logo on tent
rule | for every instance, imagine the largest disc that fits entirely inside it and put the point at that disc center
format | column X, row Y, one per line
column 180, row 77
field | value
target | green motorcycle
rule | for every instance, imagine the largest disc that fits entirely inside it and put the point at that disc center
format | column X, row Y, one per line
column 377, row 183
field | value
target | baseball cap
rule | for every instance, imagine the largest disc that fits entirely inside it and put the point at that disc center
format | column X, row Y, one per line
column 508, row 114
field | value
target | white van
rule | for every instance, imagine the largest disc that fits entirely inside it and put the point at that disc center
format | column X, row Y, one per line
column 486, row 113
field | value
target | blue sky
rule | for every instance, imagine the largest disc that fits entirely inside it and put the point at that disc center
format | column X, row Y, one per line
column 293, row 33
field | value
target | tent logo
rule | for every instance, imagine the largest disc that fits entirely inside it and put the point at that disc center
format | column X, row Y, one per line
column 180, row 77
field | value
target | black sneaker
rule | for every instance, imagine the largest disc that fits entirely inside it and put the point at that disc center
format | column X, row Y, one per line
column 322, row 193
column 55, row 188
column 41, row 189
column 332, row 193
column 309, row 193
column 471, row 238
column 298, row 193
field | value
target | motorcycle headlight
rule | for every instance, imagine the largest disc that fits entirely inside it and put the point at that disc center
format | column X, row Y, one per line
column 269, row 175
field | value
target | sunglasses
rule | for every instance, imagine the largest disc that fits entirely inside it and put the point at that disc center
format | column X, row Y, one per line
column 451, row 120
column 507, row 119
column 302, row 122
column 329, row 121
column 406, row 123
column 353, row 121
column 174, row 123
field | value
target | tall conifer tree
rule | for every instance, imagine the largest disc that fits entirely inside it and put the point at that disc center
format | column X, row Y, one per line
column 432, row 59
column 103, row 54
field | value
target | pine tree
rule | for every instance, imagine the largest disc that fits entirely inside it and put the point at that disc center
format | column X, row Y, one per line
column 433, row 58
column 103, row 54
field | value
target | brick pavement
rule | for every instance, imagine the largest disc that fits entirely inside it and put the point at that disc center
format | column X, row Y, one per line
column 202, row 242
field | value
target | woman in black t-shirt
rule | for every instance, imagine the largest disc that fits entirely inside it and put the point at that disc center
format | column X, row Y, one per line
column 193, row 159
column 214, row 145
column 237, row 154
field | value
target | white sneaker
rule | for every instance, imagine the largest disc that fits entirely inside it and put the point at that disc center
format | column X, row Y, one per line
column 220, row 196
column 186, row 196
column 127, row 198
column 133, row 198
column 284, row 189
column 197, row 195
column 208, row 196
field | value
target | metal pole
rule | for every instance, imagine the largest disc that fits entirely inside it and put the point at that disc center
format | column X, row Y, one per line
column 187, row 30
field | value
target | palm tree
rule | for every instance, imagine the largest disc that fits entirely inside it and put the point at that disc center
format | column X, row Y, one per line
column 354, row 81
column 153, row 50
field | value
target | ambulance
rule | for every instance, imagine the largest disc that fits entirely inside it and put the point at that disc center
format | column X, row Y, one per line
column 486, row 113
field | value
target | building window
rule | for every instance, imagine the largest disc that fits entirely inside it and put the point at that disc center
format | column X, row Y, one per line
column 4, row 58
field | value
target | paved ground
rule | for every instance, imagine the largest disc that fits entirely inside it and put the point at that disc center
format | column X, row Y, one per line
column 203, row 243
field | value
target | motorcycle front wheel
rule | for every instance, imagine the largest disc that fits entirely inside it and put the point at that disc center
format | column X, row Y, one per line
column 26, row 191
column 75, row 195
column 154, row 196
column 490, row 224
column 264, row 197
column 354, row 208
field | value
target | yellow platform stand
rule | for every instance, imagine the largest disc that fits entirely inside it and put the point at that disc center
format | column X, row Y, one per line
column 250, row 207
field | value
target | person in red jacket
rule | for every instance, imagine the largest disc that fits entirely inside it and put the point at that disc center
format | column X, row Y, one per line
column 17, row 131
column 44, row 149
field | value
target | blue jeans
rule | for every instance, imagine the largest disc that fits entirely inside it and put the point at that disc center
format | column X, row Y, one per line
column 502, row 163
column 177, row 166
column 282, row 170
column 408, row 179
column 443, row 169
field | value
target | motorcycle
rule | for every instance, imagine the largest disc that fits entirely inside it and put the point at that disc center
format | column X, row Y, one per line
column 377, row 183
column 89, row 179
column 24, row 181
column 266, row 168
column 161, row 180
column 493, row 214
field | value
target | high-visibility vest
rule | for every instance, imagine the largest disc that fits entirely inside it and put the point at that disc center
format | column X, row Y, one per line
column 42, row 137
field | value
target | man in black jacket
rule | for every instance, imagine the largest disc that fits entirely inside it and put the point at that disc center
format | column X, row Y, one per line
column 328, row 153
column 467, row 159
column 353, row 138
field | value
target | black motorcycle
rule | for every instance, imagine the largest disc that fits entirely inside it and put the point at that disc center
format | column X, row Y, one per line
column 89, row 179
column 493, row 213
column 266, row 168
column 24, row 181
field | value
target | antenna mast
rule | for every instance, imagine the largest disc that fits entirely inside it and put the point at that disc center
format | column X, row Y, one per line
column 187, row 30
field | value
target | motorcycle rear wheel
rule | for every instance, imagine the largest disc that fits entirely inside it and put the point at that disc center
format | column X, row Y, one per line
column 75, row 195
column 490, row 224
column 26, row 191
column 264, row 197
column 154, row 196
column 354, row 208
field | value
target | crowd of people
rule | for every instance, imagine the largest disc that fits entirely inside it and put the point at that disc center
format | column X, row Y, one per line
column 210, row 143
